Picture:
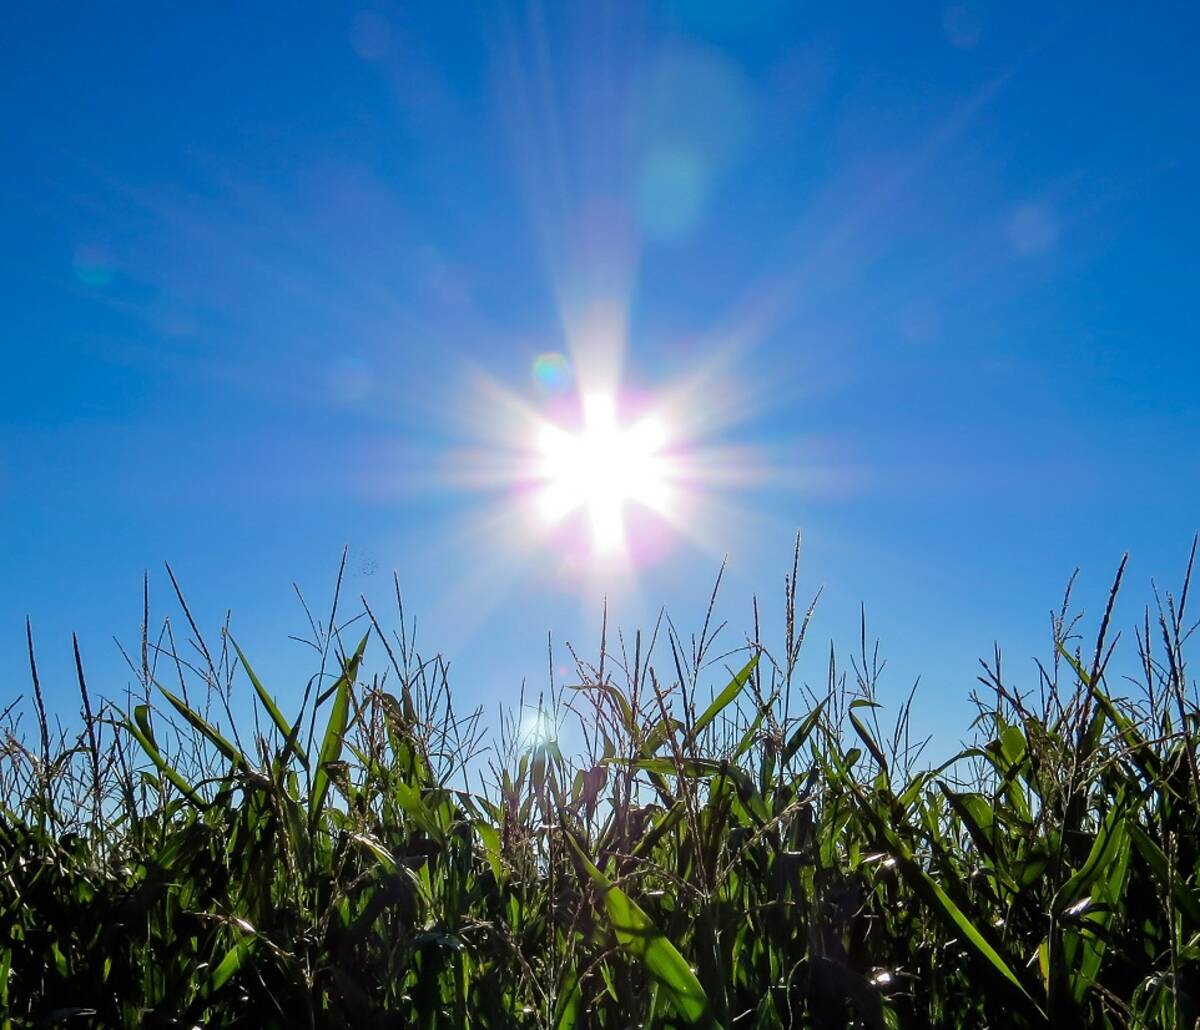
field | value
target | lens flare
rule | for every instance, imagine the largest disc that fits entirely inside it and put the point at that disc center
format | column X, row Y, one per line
column 551, row 373
column 537, row 729
column 602, row 469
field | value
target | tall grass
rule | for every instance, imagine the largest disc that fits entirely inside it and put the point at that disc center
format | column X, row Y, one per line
column 732, row 847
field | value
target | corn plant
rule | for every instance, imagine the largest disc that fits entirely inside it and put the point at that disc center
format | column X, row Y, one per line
column 732, row 846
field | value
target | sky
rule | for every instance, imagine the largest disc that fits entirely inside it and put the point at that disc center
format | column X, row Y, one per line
column 917, row 281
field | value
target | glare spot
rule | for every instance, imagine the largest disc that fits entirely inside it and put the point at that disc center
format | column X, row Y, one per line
column 673, row 193
column 1081, row 906
column 699, row 99
column 693, row 123
column 537, row 730
column 551, row 373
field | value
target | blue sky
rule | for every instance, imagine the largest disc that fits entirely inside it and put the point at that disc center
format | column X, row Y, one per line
column 923, row 276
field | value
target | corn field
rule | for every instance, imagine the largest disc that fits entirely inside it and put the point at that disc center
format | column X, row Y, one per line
column 732, row 845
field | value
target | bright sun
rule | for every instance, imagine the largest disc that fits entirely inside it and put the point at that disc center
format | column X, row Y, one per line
column 602, row 469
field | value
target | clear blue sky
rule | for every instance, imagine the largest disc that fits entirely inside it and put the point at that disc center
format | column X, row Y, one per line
column 268, row 273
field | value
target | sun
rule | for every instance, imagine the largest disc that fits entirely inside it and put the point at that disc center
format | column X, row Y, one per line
column 596, row 477
column 602, row 469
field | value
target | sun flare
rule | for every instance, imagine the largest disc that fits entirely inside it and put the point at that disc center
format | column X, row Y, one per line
column 602, row 469
column 593, row 477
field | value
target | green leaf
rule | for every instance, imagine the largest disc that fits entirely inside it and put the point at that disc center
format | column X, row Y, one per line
column 1013, row 744
column 937, row 897
column 230, row 964
column 412, row 802
column 207, row 729
column 747, row 740
column 726, row 697
column 491, row 844
column 861, row 729
column 141, row 733
column 978, row 817
column 662, row 824
column 803, row 732
column 268, row 702
column 386, row 859
column 926, row 885
column 696, row 768
column 1153, row 855
column 638, row 935
column 619, row 699
column 1094, row 945
column 660, row 734
column 706, row 768
column 335, row 730
column 566, row 1007
column 1105, row 848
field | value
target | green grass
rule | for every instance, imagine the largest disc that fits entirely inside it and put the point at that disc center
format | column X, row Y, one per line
column 732, row 847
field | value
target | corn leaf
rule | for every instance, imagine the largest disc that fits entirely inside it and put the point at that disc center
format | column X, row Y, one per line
column 637, row 934
column 335, row 730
